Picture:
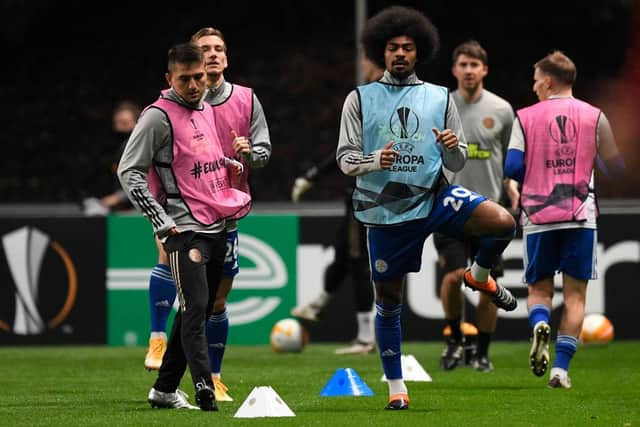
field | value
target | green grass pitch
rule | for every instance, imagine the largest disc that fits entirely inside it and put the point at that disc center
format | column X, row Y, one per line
column 107, row 386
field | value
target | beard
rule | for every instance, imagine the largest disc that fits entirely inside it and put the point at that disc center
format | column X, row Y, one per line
column 401, row 75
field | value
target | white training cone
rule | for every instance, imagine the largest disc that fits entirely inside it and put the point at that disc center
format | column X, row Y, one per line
column 263, row 402
column 412, row 370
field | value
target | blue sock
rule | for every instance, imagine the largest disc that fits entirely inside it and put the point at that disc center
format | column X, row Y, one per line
column 217, row 332
column 389, row 337
column 491, row 247
column 162, row 294
column 566, row 346
column 537, row 313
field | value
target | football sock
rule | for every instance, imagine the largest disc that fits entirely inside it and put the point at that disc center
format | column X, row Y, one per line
column 217, row 330
column 334, row 275
column 481, row 274
column 558, row 371
column 155, row 335
column 162, row 294
column 397, row 386
column 389, row 336
column 566, row 346
column 537, row 313
column 456, row 333
column 484, row 338
column 490, row 248
column 366, row 326
column 322, row 299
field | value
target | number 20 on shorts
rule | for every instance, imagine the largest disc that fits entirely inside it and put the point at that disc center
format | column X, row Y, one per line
column 457, row 198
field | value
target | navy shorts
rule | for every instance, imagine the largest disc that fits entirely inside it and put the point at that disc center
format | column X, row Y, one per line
column 570, row 250
column 397, row 250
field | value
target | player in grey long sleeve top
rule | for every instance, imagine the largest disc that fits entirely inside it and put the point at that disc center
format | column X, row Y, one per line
column 487, row 121
column 177, row 139
column 150, row 142
column 350, row 139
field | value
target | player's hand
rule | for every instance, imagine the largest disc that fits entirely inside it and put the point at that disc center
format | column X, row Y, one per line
column 93, row 207
column 511, row 187
column 240, row 144
column 447, row 137
column 173, row 231
column 388, row 155
column 300, row 186
column 235, row 167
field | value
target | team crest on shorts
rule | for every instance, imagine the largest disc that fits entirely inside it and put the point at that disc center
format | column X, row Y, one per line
column 381, row 266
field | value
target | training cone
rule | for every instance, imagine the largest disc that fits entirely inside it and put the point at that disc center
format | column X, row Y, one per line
column 346, row 382
column 263, row 402
column 412, row 370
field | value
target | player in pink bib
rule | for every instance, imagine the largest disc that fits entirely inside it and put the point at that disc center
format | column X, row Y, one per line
column 552, row 152
column 187, row 199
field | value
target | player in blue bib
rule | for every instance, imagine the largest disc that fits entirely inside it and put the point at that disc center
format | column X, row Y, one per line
column 390, row 139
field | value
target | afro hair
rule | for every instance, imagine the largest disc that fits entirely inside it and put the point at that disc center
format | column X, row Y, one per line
column 397, row 21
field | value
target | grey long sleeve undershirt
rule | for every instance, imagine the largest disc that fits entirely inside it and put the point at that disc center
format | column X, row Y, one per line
column 350, row 140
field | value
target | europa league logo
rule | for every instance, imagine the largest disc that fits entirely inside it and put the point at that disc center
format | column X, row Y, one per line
column 404, row 123
column 562, row 130
column 25, row 249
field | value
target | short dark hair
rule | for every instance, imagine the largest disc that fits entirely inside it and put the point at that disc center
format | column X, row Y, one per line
column 184, row 53
column 472, row 49
column 208, row 31
column 559, row 66
column 397, row 21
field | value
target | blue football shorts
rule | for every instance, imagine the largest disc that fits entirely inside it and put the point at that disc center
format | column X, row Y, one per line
column 230, row 268
column 397, row 250
column 570, row 250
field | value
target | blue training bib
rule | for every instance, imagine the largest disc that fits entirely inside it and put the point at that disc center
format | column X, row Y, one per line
column 404, row 115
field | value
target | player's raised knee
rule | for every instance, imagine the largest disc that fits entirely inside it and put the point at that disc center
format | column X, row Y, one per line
column 506, row 224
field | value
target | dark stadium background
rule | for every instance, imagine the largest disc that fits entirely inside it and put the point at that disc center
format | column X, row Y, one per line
column 66, row 64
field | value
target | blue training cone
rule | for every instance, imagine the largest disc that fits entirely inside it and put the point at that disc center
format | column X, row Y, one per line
column 346, row 382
